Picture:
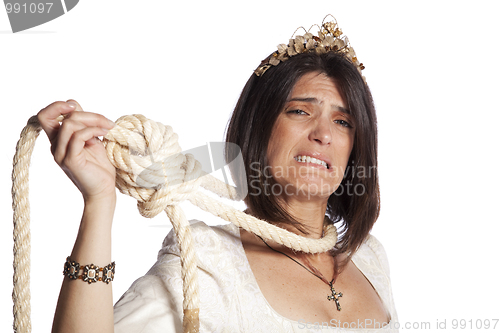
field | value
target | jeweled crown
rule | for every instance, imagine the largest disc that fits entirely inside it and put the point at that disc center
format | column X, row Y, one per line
column 329, row 39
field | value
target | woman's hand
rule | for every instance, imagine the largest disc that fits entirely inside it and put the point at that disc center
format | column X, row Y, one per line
column 82, row 156
column 78, row 151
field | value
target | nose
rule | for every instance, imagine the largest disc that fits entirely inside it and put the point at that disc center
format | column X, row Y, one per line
column 321, row 132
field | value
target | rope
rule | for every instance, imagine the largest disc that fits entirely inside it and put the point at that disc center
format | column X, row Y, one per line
column 22, row 235
column 151, row 169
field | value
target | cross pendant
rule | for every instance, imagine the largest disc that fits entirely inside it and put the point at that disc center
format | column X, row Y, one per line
column 335, row 297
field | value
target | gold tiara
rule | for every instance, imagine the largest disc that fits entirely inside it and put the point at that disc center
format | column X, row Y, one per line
column 329, row 39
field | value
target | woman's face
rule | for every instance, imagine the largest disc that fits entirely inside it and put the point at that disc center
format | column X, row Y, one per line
column 312, row 140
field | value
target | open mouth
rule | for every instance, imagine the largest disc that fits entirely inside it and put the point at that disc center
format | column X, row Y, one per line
column 309, row 159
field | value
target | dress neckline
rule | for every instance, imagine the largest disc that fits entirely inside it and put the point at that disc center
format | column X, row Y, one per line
column 354, row 259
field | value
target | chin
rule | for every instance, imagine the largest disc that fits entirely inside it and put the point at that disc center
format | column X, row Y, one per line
column 312, row 188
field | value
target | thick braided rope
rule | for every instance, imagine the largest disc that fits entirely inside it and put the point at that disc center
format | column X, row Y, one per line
column 265, row 229
column 151, row 169
column 22, row 236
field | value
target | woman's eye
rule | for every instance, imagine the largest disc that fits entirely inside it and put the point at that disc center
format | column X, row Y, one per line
column 342, row 122
column 297, row 112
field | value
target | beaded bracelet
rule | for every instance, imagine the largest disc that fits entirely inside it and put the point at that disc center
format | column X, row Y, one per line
column 90, row 272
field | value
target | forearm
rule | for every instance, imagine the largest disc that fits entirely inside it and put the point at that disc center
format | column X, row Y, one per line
column 81, row 305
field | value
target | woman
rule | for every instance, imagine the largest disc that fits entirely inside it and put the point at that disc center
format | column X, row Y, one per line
column 306, row 126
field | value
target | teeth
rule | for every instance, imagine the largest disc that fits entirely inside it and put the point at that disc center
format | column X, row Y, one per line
column 310, row 159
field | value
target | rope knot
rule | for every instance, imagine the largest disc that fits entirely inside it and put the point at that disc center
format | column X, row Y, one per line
column 150, row 165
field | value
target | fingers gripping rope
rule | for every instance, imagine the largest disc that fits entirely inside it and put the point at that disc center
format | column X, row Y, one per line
column 151, row 169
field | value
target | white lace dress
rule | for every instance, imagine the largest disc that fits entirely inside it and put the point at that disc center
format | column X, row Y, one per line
column 231, row 300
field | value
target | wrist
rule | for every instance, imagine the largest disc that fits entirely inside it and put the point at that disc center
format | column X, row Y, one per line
column 99, row 211
column 101, row 201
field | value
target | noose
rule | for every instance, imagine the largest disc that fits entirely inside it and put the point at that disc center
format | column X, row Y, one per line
column 151, row 168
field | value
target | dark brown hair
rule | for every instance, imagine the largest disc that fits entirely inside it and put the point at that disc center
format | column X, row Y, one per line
column 263, row 99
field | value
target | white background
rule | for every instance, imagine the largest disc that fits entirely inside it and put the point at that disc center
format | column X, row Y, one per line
column 433, row 70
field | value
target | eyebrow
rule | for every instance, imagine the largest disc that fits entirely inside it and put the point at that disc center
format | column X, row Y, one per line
column 316, row 101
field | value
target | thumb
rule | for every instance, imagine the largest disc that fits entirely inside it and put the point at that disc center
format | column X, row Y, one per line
column 78, row 107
